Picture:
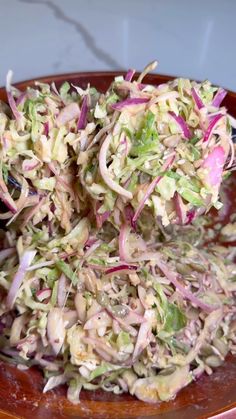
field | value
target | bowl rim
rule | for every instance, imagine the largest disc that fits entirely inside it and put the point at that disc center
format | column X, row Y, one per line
column 103, row 73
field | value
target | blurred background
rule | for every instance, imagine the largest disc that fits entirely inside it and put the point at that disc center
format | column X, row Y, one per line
column 188, row 38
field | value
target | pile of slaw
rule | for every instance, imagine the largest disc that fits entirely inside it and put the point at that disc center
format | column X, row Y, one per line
column 106, row 281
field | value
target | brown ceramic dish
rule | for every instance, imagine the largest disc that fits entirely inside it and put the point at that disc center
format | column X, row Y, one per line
column 210, row 397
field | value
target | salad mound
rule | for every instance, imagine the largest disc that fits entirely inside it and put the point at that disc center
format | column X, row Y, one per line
column 165, row 149
column 107, row 278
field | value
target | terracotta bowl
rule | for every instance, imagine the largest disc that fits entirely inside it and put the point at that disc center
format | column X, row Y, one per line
column 210, row 397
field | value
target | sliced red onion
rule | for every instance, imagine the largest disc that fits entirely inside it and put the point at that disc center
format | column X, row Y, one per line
column 211, row 116
column 121, row 269
column 6, row 319
column 97, row 267
column 67, row 114
column 123, row 324
column 142, row 86
column 129, row 215
column 133, row 318
column 91, row 240
column 219, row 97
column 123, row 141
column 101, row 218
column 10, row 352
column 65, row 255
column 60, row 180
column 197, row 99
column 186, row 293
column 129, row 75
column 179, row 208
column 21, row 99
column 13, row 106
column 22, row 202
column 83, row 114
column 40, row 265
column 211, row 127
column 197, row 372
column 46, row 128
column 119, row 106
column 92, row 248
column 4, row 142
column 191, row 214
column 103, row 354
column 50, row 366
column 105, row 173
column 2, row 327
column 214, row 163
column 182, row 123
column 25, row 262
column 43, row 294
column 30, row 164
column 61, row 291
column 29, row 344
column 6, row 253
column 168, row 163
column 116, row 327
